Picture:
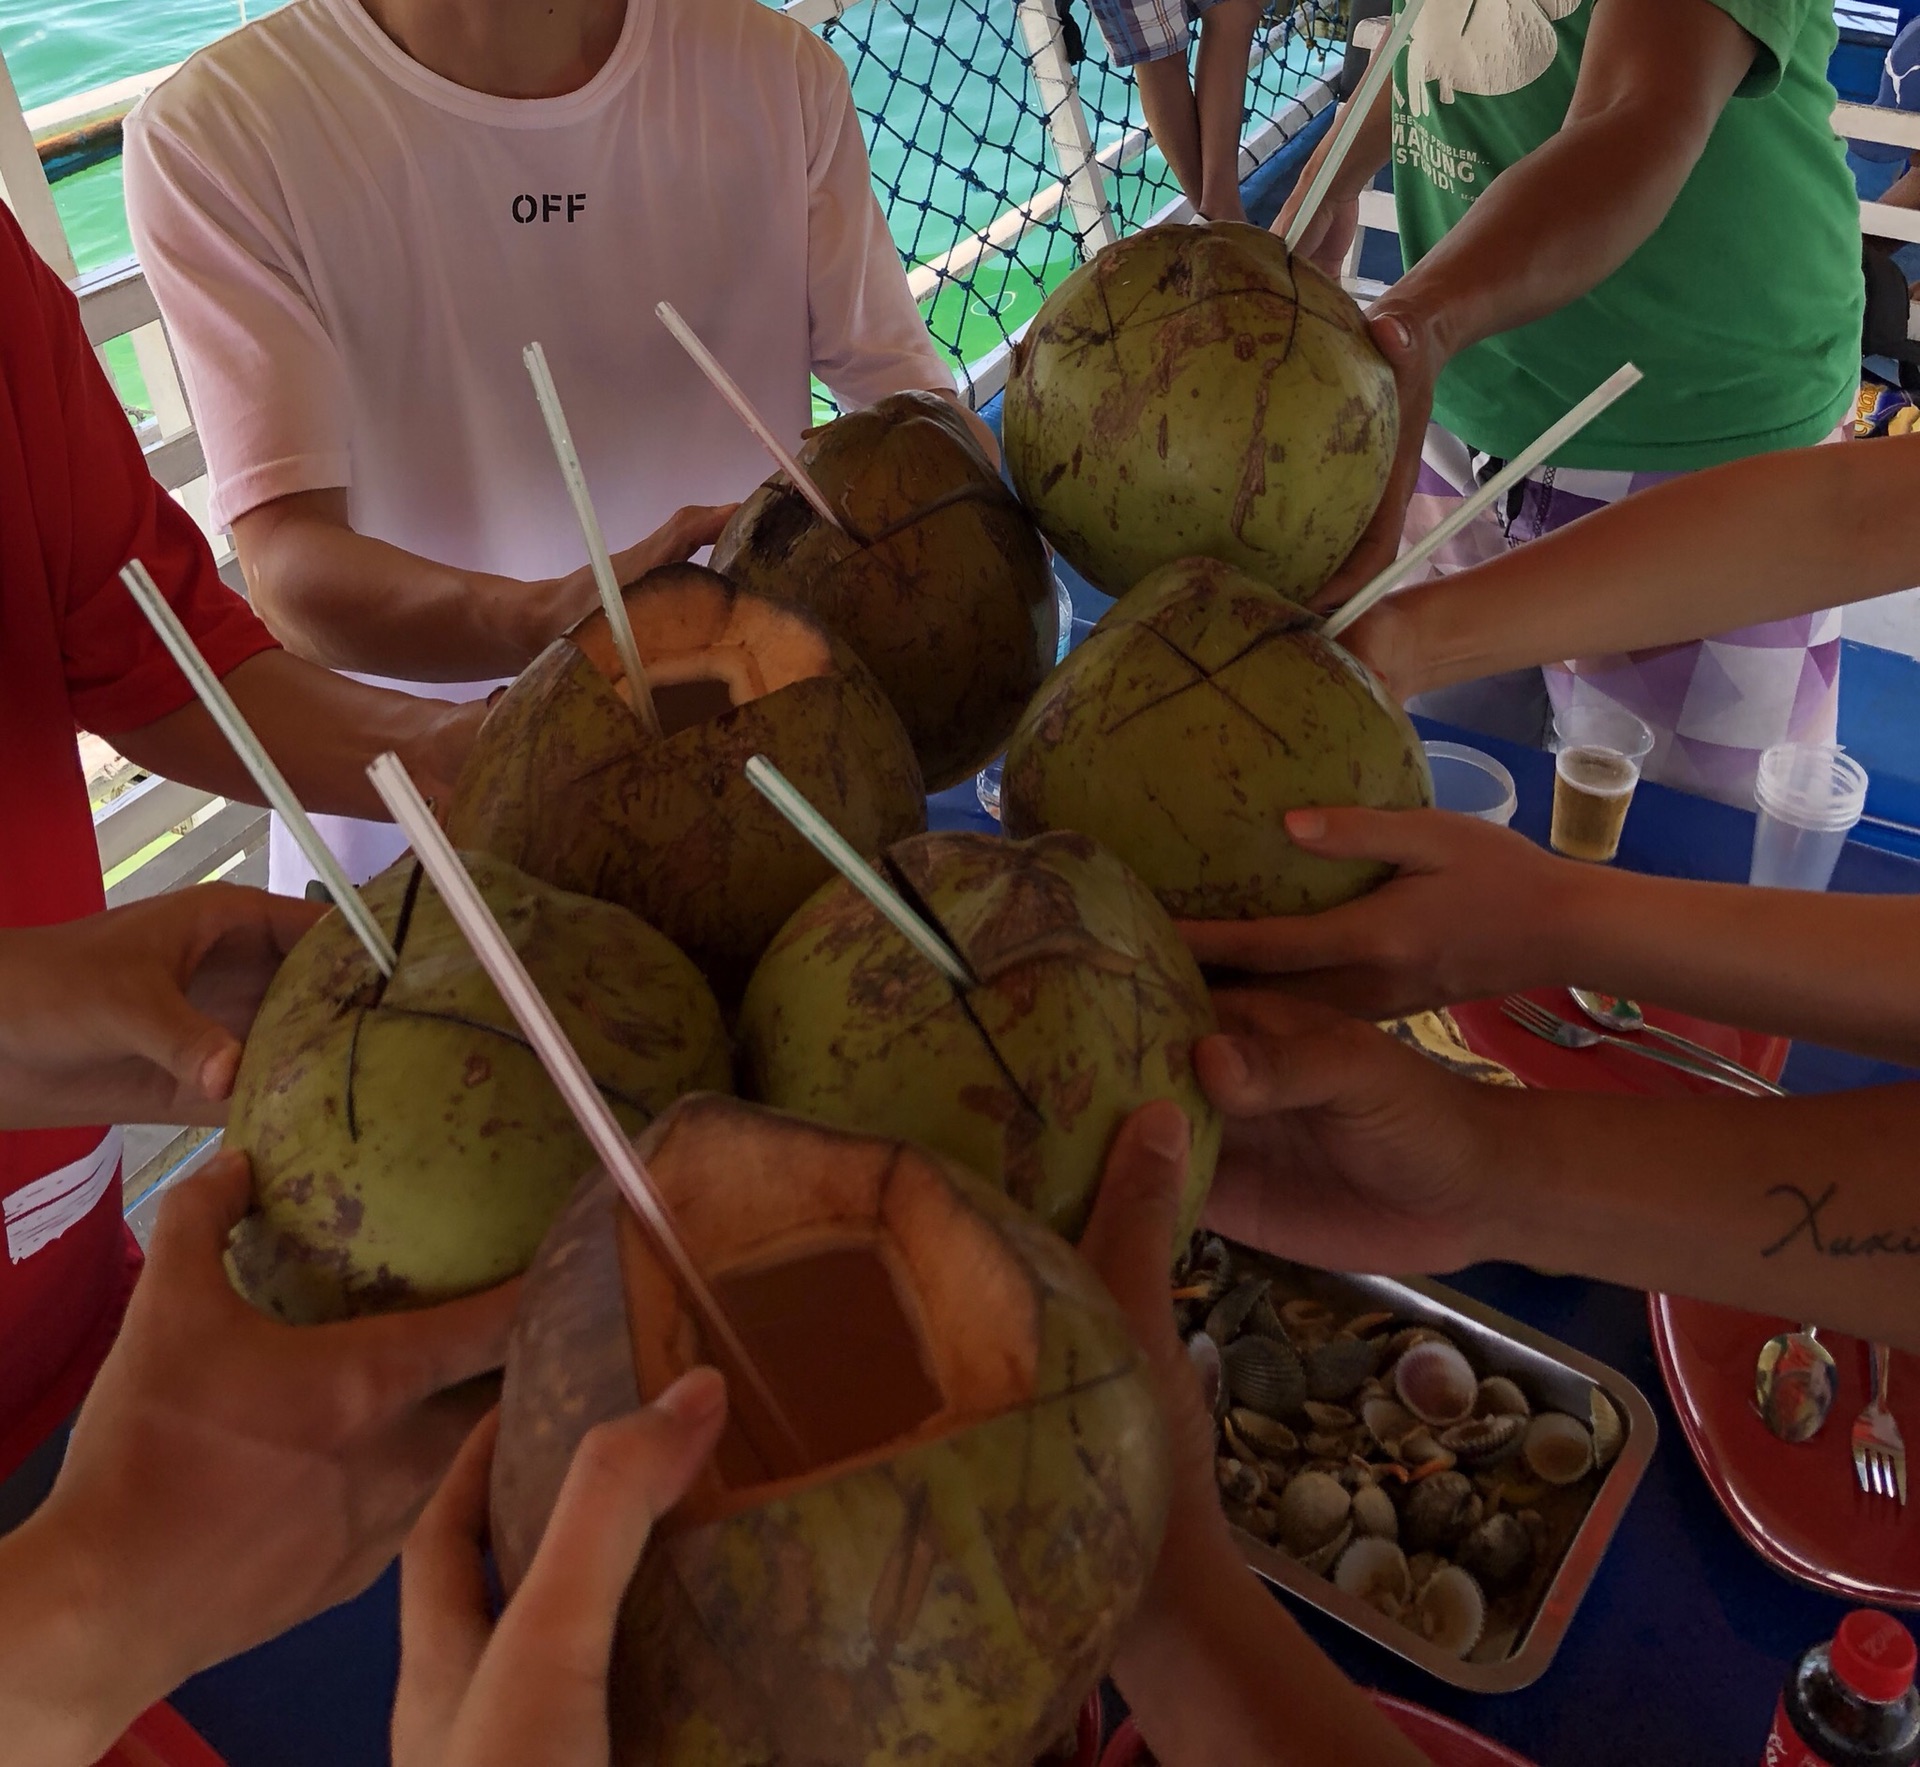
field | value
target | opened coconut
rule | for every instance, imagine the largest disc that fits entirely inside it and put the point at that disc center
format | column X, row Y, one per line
column 940, row 1579
column 1086, row 1007
column 1195, row 390
column 407, row 1145
column 566, row 783
column 941, row 583
column 1199, row 711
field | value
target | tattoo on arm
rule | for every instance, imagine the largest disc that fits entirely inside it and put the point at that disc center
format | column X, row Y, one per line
column 1894, row 1241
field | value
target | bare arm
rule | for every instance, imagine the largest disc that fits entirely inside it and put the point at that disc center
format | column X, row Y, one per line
column 1332, row 227
column 1757, row 540
column 1654, row 78
column 1347, row 1150
column 321, row 729
column 339, row 598
column 1475, row 910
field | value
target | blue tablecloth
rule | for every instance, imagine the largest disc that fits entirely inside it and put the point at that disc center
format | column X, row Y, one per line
column 1675, row 1657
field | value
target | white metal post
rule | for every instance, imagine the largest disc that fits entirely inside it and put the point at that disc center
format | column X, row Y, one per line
column 23, row 183
column 1073, row 147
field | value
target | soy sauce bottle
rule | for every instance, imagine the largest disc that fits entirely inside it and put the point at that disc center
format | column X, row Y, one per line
column 1851, row 1703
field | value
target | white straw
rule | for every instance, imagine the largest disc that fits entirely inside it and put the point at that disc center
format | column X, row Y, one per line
column 604, row 580
column 784, row 796
column 272, row 783
column 1347, row 130
column 1622, row 378
column 562, row 1062
column 728, row 389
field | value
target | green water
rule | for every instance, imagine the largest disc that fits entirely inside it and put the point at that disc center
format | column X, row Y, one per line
column 953, row 127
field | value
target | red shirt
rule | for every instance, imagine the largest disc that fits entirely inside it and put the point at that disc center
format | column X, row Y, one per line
column 76, row 503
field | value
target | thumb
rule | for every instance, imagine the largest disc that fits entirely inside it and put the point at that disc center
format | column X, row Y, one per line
column 1393, row 334
column 1129, row 1236
column 190, row 1237
column 625, row 1476
column 1411, row 839
column 1257, row 1076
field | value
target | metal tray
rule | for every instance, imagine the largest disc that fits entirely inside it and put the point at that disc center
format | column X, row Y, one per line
column 1553, row 1374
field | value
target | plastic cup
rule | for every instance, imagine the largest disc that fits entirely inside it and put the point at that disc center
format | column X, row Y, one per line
column 1600, row 750
column 1471, row 783
column 1810, row 796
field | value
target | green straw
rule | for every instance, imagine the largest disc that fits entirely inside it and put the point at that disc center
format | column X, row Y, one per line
column 826, row 840
column 258, row 762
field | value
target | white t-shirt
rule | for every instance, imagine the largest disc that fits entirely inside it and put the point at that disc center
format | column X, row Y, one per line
column 351, row 253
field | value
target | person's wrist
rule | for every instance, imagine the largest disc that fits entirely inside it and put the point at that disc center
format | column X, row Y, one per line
column 1566, row 906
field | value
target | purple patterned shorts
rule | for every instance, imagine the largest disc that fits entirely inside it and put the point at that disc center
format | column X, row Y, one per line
column 1146, row 30
column 1715, row 706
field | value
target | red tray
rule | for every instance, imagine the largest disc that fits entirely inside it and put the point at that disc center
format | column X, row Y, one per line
column 1446, row 1743
column 1491, row 1033
column 1796, row 1504
column 160, row 1737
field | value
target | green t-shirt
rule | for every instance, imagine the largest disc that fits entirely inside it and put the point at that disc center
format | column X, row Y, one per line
column 1744, row 307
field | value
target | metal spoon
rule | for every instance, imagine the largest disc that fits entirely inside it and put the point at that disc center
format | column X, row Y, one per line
column 1794, row 1384
column 1625, row 1015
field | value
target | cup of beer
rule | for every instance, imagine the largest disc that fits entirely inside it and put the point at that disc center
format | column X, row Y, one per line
column 1600, row 751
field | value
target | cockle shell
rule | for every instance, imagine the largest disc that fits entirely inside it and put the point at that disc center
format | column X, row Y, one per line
column 1436, row 1383
column 1264, row 1375
column 1240, row 1481
column 1265, row 1434
column 1337, row 1368
column 1373, row 1513
column 1230, row 1311
column 1403, row 1341
column 1312, row 1510
column 1388, row 1422
column 1204, row 1354
column 1484, row 1441
column 1375, row 1569
column 1450, row 1611
column 1322, row 1561
column 1609, row 1433
column 1498, row 1551
column 1559, row 1448
column 1307, row 1322
column 1500, row 1397
column 1438, row 1511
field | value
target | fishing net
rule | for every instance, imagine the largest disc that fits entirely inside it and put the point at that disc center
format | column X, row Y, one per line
column 959, row 137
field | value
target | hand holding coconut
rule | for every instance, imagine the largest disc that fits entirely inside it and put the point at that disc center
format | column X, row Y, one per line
column 228, row 1477
column 534, row 1686
column 137, row 1015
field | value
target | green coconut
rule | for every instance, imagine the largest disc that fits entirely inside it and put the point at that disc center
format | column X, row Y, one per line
column 1198, row 711
column 566, row 784
column 940, row 1579
column 1087, row 1006
column 1194, row 390
column 944, row 590
column 407, row 1145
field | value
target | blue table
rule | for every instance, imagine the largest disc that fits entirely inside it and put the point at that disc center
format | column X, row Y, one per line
column 1675, row 1657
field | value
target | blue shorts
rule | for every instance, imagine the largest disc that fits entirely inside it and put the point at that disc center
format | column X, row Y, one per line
column 1146, row 30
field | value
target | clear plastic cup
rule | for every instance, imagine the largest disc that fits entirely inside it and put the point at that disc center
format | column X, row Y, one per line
column 1810, row 796
column 1471, row 783
column 1599, row 751
column 986, row 783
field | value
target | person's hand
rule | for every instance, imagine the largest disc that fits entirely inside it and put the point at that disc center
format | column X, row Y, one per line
column 676, row 540
column 137, row 1015
column 433, row 762
column 1389, row 639
column 1329, row 235
column 1343, row 1148
column 229, row 1476
column 534, row 1687
column 1416, row 354
column 1474, row 910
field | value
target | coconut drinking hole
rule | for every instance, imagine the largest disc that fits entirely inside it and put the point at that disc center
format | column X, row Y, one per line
column 682, row 704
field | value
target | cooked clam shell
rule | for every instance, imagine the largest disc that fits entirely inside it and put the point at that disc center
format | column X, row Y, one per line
column 1500, row 1397
column 1312, row 1510
column 1438, row 1511
column 1484, row 1441
column 1609, row 1433
column 1338, row 1368
column 1388, row 1422
column 1498, row 1552
column 1230, row 1312
column 1373, row 1513
column 1375, row 1569
column 1436, row 1383
column 1268, row 1434
column 1558, row 1448
column 1450, row 1611
column 1264, row 1375
column 1204, row 1354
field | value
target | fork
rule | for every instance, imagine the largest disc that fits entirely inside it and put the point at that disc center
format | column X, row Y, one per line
column 1530, row 1015
column 1879, row 1455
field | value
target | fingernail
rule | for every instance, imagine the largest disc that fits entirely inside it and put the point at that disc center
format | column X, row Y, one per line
column 1306, row 825
column 697, row 1397
column 1402, row 332
column 1163, row 1131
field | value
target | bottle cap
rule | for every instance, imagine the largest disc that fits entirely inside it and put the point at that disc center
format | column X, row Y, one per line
column 1874, row 1655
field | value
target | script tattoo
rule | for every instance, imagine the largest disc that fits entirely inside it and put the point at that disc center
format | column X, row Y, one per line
column 1897, row 1241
